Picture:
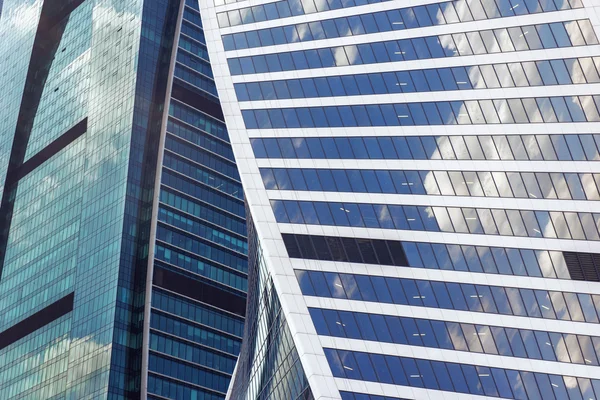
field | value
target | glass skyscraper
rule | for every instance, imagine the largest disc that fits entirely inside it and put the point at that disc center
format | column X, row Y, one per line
column 423, row 189
column 200, row 280
column 123, row 264
column 421, row 182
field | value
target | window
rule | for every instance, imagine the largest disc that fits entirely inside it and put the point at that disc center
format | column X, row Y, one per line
column 555, row 109
column 443, row 219
column 532, row 147
column 403, row 18
column 466, row 297
column 463, row 378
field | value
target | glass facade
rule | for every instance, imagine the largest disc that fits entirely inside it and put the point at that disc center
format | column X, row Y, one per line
column 200, row 251
column 123, row 264
column 419, row 181
column 581, row 307
column 363, row 396
column 84, row 88
column 461, row 378
column 404, row 18
column 422, row 178
column 460, row 112
column 567, row 147
column 535, row 185
column 506, row 40
column 481, row 221
column 269, row 365
column 489, row 260
column 525, row 343
column 490, row 76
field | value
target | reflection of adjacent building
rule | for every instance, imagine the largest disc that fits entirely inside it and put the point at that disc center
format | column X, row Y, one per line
column 113, row 148
column 423, row 187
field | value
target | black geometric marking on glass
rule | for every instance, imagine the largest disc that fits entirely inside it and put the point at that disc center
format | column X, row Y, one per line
column 51, row 27
column 34, row 322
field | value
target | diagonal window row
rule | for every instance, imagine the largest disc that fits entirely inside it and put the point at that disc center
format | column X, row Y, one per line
column 282, row 9
column 196, row 264
column 202, row 192
column 200, row 138
column 197, row 312
column 462, row 378
column 193, row 31
column 495, row 221
column 183, row 371
column 198, row 119
column 191, row 352
column 193, row 16
column 219, row 255
column 448, row 12
column 497, row 340
column 196, row 48
column 569, row 147
column 195, row 79
column 193, row 332
column 533, row 185
column 461, row 112
column 167, row 387
column 524, row 74
column 202, row 157
column 482, row 259
column 200, row 209
column 203, row 229
column 502, row 40
column 194, row 62
column 364, row 396
column 202, row 174
column 566, row 306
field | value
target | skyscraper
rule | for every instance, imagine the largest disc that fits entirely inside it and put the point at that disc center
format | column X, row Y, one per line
column 122, row 229
column 422, row 182
column 199, row 287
